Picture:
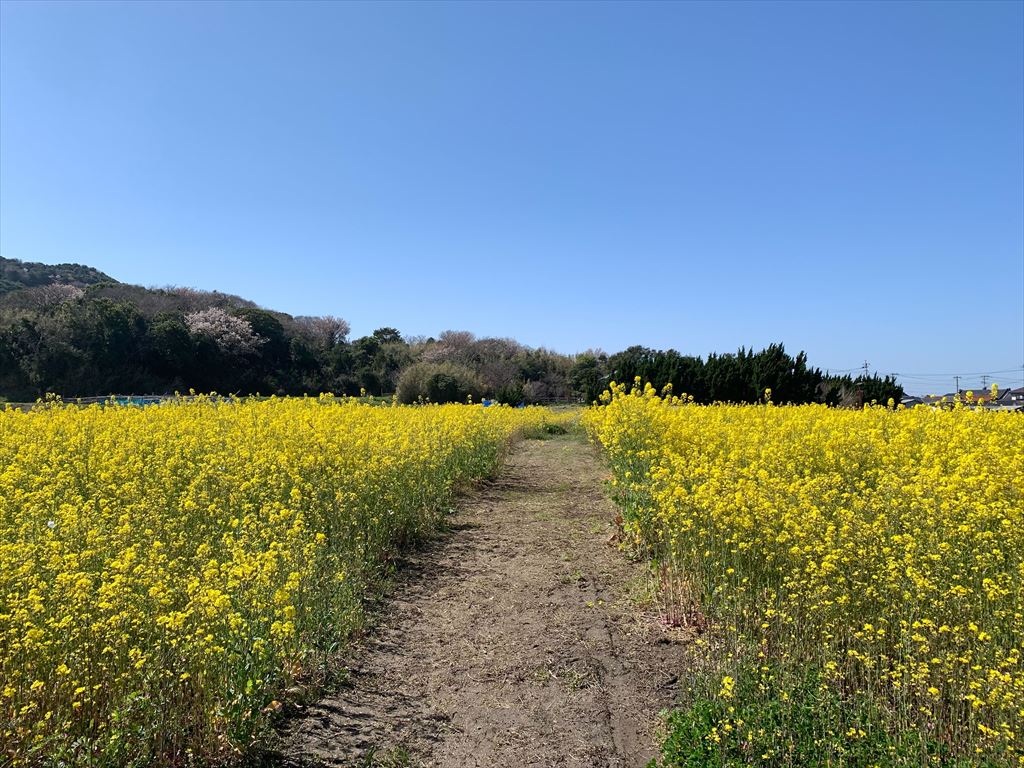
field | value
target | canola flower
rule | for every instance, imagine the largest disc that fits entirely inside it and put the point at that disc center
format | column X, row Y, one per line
column 863, row 571
column 167, row 572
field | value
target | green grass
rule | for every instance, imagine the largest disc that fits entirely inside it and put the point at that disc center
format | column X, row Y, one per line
column 823, row 728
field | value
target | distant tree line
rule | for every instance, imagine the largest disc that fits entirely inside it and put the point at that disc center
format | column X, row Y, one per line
column 80, row 340
column 70, row 330
column 742, row 377
column 110, row 338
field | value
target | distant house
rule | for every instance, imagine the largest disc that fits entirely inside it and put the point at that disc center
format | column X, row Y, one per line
column 1011, row 396
column 911, row 400
column 1004, row 399
column 983, row 396
column 939, row 399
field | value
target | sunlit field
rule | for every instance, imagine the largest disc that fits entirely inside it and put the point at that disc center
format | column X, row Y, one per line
column 168, row 572
column 860, row 575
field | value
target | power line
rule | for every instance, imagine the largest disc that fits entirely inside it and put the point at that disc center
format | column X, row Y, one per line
column 988, row 374
column 920, row 380
column 947, row 375
column 927, row 379
column 961, row 373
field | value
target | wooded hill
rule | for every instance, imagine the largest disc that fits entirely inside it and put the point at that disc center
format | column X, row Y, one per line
column 15, row 275
column 72, row 330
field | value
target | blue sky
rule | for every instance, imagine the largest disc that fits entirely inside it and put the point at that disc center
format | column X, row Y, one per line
column 846, row 178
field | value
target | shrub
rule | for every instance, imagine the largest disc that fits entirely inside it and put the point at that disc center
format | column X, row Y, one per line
column 510, row 394
column 438, row 383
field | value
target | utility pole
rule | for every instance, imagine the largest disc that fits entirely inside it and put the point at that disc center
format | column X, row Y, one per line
column 865, row 367
column 984, row 381
column 957, row 385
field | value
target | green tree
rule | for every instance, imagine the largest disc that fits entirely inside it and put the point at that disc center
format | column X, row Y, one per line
column 587, row 377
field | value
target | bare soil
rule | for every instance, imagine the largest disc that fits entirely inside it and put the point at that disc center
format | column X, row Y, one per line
column 514, row 640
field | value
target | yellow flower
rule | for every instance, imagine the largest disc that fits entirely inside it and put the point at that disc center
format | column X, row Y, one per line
column 880, row 545
column 209, row 541
column 728, row 684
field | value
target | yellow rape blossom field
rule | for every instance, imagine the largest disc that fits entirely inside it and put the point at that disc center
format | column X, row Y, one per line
column 861, row 572
column 167, row 572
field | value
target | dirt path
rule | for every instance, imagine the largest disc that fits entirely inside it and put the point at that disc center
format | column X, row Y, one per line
column 510, row 642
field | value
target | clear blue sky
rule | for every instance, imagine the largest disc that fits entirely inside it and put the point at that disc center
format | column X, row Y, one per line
column 846, row 178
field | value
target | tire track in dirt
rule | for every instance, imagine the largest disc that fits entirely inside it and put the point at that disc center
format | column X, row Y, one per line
column 511, row 641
